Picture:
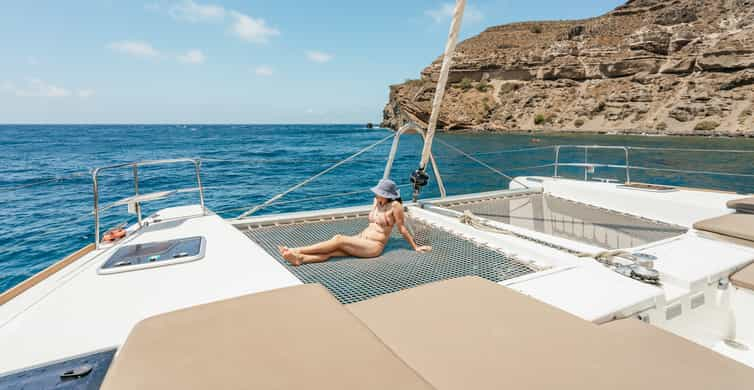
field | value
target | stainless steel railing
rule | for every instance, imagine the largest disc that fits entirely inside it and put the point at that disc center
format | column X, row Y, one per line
column 136, row 200
column 591, row 167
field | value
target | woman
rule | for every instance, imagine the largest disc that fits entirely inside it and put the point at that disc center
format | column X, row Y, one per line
column 386, row 213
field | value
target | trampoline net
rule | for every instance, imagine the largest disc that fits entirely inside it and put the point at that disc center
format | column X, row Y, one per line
column 571, row 220
column 351, row 280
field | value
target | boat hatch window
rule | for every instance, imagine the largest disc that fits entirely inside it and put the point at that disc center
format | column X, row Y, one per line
column 154, row 254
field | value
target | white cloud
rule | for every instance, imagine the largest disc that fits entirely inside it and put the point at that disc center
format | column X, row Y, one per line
column 134, row 48
column 191, row 11
column 39, row 88
column 85, row 93
column 445, row 12
column 193, row 56
column 318, row 56
column 34, row 87
column 263, row 70
column 32, row 61
column 252, row 30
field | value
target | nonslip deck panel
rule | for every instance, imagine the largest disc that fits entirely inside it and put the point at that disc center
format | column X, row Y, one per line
column 745, row 205
column 736, row 225
column 568, row 219
column 398, row 268
column 469, row 333
column 292, row 338
column 744, row 278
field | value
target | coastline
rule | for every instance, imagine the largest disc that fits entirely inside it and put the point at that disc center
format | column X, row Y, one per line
column 575, row 132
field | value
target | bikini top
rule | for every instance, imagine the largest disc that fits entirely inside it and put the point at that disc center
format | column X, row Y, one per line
column 380, row 216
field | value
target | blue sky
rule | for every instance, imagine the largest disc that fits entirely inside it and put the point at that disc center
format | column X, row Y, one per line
column 254, row 61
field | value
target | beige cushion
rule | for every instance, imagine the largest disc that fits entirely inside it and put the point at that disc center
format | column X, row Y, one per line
column 745, row 205
column 293, row 338
column 736, row 225
column 470, row 333
column 744, row 278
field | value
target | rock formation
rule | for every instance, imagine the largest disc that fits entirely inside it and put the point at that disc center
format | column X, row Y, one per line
column 649, row 66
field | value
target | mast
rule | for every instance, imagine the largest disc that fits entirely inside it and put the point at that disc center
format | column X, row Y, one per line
column 419, row 178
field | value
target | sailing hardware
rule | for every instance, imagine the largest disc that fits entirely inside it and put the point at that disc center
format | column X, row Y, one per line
column 419, row 179
column 77, row 372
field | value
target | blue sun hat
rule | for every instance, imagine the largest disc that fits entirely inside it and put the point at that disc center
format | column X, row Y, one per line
column 386, row 188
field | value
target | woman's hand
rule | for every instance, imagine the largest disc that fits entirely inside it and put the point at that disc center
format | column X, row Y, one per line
column 423, row 249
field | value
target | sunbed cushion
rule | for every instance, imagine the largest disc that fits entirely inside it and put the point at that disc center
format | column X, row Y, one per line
column 292, row 338
column 738, row 225
column 470, row 333
column 744, row 278
column 745, row 205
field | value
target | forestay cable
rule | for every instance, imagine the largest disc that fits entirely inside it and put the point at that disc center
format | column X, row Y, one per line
column 419, row 178
column 309, row 180
column 450, row 48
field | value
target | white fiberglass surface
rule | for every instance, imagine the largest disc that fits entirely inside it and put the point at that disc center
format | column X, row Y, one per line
column 724, row 323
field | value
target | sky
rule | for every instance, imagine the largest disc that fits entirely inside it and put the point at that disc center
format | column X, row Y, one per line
column 252, row 61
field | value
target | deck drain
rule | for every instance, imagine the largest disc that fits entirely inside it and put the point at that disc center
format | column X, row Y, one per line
column 736, row 345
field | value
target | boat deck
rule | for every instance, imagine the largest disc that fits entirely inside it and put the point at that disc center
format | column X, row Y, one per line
column 80, row 309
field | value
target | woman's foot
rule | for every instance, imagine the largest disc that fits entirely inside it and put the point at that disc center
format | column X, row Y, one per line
column 292, row 257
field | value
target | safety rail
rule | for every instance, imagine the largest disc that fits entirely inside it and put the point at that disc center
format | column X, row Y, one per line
column 589, row 168
column 134, row 202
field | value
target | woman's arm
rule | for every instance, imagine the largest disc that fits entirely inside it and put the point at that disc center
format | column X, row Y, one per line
column 399, row 222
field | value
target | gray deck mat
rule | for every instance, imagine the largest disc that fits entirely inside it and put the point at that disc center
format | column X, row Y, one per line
column 572, row 220
column 352, row 280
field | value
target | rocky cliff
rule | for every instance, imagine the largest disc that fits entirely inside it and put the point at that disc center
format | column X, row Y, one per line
column 649, row 66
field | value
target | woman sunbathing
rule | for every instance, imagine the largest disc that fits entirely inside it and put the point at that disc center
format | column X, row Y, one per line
column 386, row 213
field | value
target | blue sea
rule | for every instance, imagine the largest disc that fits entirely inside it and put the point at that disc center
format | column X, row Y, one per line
column 46, row 186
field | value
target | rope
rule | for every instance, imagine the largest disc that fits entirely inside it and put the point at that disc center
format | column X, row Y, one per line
column 309, row 199
column 450, row 48
column 309, row 180
column 482, row 163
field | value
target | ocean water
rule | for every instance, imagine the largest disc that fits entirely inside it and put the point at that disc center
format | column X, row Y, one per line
column 46, row 188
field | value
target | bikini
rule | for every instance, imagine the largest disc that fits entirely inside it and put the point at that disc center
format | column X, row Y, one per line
column 379, row 216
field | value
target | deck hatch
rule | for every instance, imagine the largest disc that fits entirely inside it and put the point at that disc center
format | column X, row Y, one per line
column 152, row 254
column 352, row 280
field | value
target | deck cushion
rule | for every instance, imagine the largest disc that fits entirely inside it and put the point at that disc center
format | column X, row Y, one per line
column 745, row 205
column 744, row 278
column 738, row 225
column 470, row 333
column 292, row 338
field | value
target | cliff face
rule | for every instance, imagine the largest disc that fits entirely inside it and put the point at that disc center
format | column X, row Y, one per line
column 649, row 66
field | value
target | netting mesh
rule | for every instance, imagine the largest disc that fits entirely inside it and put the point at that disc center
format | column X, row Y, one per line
column 572, row 220
column 352, row 280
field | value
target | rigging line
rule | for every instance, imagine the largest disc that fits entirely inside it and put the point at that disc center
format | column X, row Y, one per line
column 690, row 171
column 504, row 151
column 266, row 161
column 691, row 150
column 309, row 180
column 450, row 48
column 309, row 199
column 482, row 163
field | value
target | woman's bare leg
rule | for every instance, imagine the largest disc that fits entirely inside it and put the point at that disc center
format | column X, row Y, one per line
column 328, row 246
column 339, row 246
